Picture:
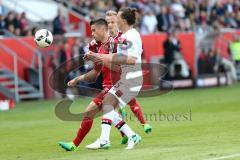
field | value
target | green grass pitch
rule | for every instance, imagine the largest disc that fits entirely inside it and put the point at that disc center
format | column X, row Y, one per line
column 209, row 127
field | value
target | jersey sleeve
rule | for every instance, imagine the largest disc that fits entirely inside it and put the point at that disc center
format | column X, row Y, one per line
column 93, row 46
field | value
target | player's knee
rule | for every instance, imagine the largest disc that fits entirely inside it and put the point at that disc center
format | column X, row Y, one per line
column 91, row 111
column 109, row 99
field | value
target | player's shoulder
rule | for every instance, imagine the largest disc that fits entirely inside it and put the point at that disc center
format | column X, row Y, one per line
column 94, row 43
column 132, row 31
column 133, row 35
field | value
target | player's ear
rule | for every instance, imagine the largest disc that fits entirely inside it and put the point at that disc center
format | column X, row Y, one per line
column 125, row 21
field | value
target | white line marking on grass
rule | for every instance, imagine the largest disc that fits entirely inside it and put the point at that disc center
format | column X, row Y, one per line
column 225, row 157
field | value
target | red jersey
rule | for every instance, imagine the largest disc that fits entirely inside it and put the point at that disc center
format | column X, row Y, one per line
column 109, row 76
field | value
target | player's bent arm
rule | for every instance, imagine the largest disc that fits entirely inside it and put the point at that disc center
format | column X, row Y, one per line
column 118, row 59
column 90, row 76
column 106, row 59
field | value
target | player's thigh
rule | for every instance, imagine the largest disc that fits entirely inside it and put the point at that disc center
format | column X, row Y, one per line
column 123, row 94
column 91, row 110
column 98, row 100
column 110, row 100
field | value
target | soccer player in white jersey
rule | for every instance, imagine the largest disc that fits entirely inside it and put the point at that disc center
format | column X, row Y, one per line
column 111, row 18
column 129, row 58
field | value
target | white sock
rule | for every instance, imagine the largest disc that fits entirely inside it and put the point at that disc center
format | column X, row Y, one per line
column 107, row 119
column 124, row 128
column 105, row 134
column 127, row 130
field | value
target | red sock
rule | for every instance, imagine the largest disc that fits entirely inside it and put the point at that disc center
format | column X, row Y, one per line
column 137, row 110
column 86, row 125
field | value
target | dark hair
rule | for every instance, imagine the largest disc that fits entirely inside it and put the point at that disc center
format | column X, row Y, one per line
column 99, row 21
column 129, row 14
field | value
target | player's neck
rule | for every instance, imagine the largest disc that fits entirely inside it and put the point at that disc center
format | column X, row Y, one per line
column 126, row 28
column 105, row 38
column 113, row 34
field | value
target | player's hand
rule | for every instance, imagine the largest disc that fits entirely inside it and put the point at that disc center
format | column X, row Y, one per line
column 72, row 83
column 87, row 56
column 91, row 56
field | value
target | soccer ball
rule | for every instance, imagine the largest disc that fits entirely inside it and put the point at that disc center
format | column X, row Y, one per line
column 43, row 38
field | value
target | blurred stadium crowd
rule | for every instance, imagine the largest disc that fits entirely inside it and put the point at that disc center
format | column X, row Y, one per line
column 153, row 15
column 164, row 15
column 16, row 24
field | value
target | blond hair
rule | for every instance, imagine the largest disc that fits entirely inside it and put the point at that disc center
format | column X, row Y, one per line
column 111, row 13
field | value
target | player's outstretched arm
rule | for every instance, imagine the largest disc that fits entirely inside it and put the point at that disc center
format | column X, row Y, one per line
column 119, row 59
column 90, row 76
column 111, row 58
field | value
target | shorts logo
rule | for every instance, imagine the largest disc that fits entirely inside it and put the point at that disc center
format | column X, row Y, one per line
column 119, row 93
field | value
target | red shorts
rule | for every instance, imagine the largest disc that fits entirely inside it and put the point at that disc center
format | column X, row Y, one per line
column 99, row 98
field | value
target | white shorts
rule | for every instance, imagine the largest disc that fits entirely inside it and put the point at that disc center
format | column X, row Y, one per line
column 125, row 92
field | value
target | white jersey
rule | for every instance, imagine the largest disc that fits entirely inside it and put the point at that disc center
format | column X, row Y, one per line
column 135, row 49
column 131, row 73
